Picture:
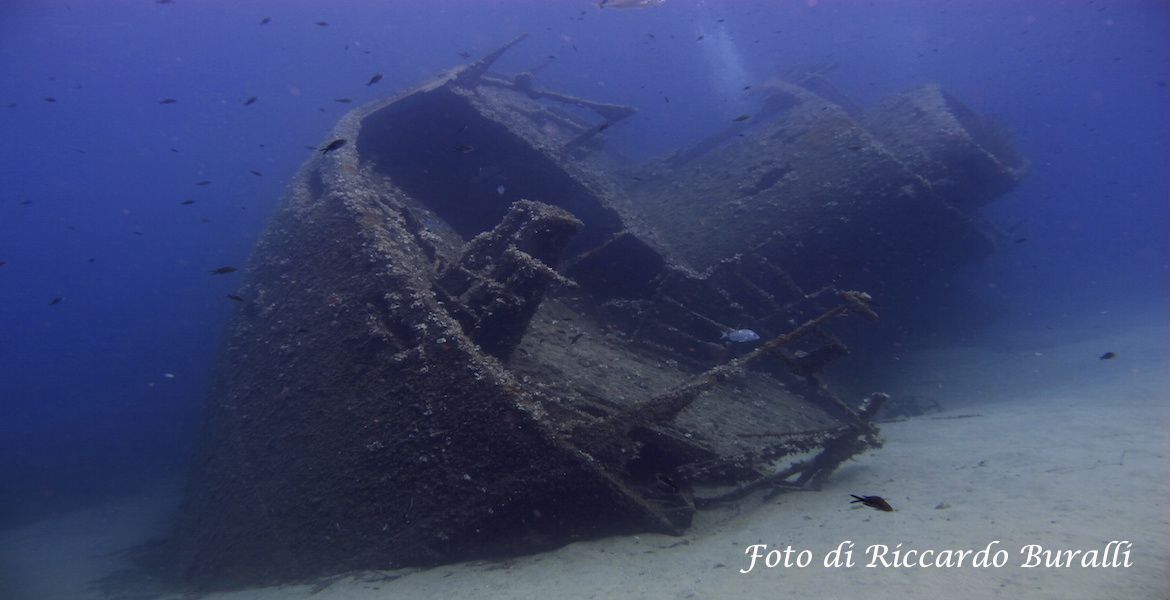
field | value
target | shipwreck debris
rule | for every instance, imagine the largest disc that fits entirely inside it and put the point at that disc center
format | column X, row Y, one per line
column 416, row 379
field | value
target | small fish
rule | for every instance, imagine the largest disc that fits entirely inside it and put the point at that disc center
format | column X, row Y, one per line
column 265, row 20
column 1021, row 240
column 876, row 502
column 740, row 335
column 374, row 79
column 343, row 100
column 331, row 146
column 56, row 300
column 26, row 203
column 234, row 297
column 167, row 101
column 1108, row 356
column 50, row 99
column 465, row 54
column 256, row 173
column 187, row 202
column 629, row 3
column 224, row 270
column 741, row 118
column 603, row 127
column 3, row 262
column 251, row 101
column 464, row 148
column 321, row 23
column 204, row 182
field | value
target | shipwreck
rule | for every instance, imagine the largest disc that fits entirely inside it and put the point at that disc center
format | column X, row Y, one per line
column 467, row 333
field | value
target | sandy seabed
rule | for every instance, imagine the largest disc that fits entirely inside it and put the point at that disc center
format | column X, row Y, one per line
column 1039, row 444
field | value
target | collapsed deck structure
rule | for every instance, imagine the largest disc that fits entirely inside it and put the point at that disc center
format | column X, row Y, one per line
column 466, row 334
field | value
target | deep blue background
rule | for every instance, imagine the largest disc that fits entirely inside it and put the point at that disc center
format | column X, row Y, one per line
column 91, row 185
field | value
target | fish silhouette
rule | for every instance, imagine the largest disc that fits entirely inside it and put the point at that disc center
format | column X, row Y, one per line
column 876, row 502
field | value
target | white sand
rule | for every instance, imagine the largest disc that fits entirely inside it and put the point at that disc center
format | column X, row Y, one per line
column 1063, row 451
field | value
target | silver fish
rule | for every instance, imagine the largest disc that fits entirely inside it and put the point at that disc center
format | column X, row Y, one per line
column 629, row 3
column 740, row 335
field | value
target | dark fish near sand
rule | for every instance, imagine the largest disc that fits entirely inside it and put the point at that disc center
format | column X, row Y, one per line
column 876, row 502
column 251, row 101
column 234, row 298
column 331, row 146
column 374, row 79
column 1109, row 356
column 343, row 100
column 741, row 118
column 224, row 270
column 629, row 3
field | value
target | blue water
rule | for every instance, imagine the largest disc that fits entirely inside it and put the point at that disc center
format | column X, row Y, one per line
column 101, row 392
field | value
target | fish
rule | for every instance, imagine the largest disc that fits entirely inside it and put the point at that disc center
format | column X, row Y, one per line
column 465, row 54
column 741, row 118
column 1108, row 356
column 464, row 148
column 629, row 3
column 50, row 99
column 875, row 502
column 321, row 23
column 224, row 270
column 3, row 262
column 256, row 173
column 167, row 101
column 374, row 79
column 56, row 300
column 251, row 101
column 740, row 335
column 204, row 182
column 603, row 127
column 187, row 202
column 234, row 297
column 331, row 146
column 343, row 100
column 265, row 20
column 1021, row 240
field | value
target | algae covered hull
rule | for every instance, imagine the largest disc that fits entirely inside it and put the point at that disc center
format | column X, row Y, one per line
column 466, row 333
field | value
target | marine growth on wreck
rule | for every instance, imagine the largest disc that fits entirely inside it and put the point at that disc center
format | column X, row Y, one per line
column 466, row 333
